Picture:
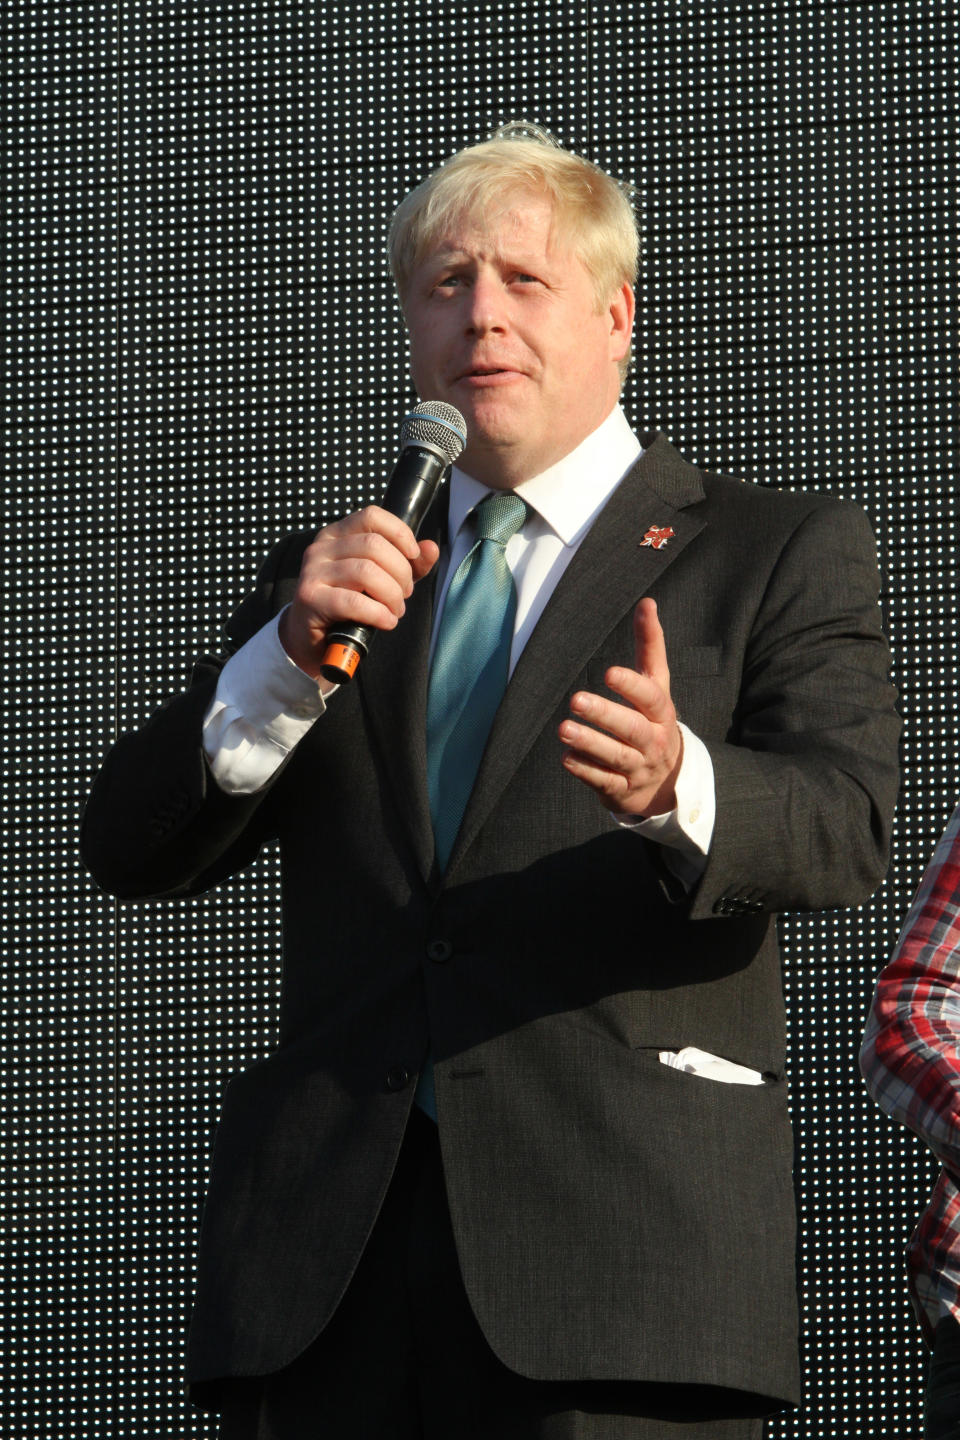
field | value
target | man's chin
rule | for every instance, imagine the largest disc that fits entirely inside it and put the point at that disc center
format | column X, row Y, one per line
column 497, row 459
column 492, row 423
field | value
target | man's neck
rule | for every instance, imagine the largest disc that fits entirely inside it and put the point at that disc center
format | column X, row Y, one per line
column 569, row 493
column 509, row 466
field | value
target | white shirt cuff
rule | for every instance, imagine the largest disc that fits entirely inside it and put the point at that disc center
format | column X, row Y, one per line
column 263, row 707
column 685, row 832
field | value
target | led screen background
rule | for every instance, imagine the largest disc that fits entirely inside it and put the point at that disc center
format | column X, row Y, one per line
column 206, row 353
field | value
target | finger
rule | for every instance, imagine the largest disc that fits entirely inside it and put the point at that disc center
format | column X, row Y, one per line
column 360, row 559
column 330, row 582
column 644, row 702
column 641, row 692
column 373, row 519
column 348, row 606
column 625, row 722
column 625, row 779
column 428, row 557
column 610, row 785
column 650, row 647
column 601, row 750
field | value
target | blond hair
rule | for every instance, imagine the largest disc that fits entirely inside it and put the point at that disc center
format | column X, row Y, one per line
column 593, row 213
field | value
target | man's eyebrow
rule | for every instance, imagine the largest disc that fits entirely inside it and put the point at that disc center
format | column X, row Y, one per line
column 498, row 257
column 445, row 256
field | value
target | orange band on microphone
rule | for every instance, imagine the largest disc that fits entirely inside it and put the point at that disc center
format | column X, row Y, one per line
column 342, row 657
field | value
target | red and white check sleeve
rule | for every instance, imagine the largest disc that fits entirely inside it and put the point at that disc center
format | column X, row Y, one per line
column 911, row 1063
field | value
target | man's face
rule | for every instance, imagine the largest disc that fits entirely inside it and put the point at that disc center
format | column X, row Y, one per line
column 503, row 324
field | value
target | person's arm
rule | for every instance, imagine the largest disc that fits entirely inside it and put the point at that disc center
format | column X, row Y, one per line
column 157, row 822
column 806, row 780
column 806, row 789
column 263, row 707
column 910, row 1058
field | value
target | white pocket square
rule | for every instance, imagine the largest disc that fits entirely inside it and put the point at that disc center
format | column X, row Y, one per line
column 711, row 1067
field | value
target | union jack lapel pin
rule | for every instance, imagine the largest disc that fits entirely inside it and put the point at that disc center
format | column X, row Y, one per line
column 657, row 536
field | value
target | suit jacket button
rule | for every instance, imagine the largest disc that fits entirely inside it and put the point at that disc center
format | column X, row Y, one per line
column 398, row 1077
column 439, row 951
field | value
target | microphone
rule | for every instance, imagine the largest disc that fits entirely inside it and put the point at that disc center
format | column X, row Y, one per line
column 431, row 437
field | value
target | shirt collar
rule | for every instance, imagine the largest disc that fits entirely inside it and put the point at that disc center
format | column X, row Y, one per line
column 569, row 495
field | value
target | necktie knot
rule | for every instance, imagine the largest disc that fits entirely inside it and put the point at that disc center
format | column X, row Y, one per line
column 500, row 516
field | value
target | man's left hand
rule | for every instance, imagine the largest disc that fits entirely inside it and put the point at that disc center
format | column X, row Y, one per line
column 629, row 752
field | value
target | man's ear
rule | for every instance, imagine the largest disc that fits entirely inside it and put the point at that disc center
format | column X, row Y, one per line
column 621, row 309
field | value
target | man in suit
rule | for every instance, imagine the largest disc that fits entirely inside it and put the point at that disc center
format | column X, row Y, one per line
column 521, row 1163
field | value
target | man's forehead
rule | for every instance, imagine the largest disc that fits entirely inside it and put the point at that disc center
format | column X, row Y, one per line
column 522, row 223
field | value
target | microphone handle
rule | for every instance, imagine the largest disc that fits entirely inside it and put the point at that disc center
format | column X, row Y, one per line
column 416, row 478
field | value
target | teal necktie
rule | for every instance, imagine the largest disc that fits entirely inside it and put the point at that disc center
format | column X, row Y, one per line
column 468, row 675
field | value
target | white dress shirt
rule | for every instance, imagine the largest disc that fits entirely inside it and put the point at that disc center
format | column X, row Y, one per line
column 265, row 704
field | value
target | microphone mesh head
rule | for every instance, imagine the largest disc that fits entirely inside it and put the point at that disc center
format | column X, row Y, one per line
column 433, row 423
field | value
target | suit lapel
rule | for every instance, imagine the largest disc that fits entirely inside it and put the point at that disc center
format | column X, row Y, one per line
column 610, row 572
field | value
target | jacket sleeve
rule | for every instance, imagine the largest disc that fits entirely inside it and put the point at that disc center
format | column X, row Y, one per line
column 806, row 780
column 156, row 822
column 910, row 1058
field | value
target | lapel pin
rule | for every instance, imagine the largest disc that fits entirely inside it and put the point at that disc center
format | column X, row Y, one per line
column 657, row 536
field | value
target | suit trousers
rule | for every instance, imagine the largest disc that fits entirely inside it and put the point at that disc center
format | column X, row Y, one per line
column 404, row 1359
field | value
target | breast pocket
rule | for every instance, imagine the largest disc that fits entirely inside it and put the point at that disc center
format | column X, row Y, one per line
column 704, row 688
column 695, row 659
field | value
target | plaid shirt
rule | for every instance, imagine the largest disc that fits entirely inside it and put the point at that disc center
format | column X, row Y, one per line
column 911, row 1063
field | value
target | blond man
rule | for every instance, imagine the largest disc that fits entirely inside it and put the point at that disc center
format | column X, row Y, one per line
column 520, row 1165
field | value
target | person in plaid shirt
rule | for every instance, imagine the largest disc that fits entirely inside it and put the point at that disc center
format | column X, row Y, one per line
column 911, row 1063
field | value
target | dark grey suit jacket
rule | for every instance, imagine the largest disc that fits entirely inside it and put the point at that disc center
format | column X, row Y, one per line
column 615, row 1219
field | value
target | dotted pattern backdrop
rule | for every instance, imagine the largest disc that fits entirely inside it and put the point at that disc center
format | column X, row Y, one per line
column 205, row 353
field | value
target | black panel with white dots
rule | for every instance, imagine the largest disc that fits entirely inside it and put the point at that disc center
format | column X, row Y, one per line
column 206, row 353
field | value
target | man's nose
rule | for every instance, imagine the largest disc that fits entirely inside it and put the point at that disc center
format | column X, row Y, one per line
column 486, row 311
